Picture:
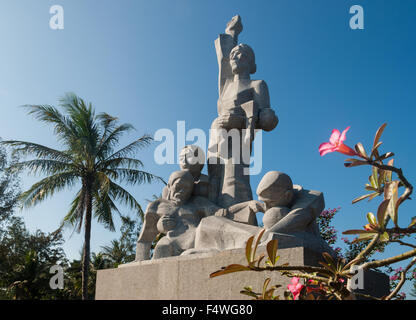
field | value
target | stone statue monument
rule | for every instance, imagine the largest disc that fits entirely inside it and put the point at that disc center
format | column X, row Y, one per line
column 243, row 106
column 206, row 220
column 199, row 213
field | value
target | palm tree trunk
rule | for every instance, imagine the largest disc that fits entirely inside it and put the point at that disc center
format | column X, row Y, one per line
column 87, row 237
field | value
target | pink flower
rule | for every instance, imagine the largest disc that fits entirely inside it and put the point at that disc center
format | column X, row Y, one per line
column 336, row 144
column 295, row 287
column 394, row 278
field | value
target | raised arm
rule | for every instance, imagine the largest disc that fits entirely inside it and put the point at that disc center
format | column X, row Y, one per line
column 223, row 46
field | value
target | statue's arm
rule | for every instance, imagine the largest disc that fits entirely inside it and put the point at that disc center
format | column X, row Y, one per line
column 223, row 46
column 147, row 235
column 245, row 212
column 207, row 208
column 307, row 208
column 268, row 119
column 295, row 221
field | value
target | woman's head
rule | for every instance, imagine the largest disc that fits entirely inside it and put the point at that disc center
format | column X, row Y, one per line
column 242, row 59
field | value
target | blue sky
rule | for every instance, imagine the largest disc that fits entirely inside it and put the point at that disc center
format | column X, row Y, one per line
column 152, row 63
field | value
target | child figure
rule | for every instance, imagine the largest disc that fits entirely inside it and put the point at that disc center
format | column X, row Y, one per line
column 276, row 191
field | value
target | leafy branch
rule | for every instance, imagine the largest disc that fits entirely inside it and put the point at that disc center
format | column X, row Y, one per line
column 329, row 278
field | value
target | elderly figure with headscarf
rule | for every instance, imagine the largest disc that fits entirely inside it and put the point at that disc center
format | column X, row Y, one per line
column 178, row 215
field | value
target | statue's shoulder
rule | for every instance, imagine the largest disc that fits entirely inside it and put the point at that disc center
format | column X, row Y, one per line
column 308, row 198
column 160, row 207
column 259, row 84
column 260, row 87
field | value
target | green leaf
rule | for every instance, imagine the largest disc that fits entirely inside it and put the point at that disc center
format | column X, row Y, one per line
column 384, row 237
column 371, row 218
column 327, row 266
column 356, row 231
column 355, row 163
column 374, row 178
column 260, row 235
column 412, row 222
column 370, row 188
column 389, row 173
column 370, row 195
column 377, row 143
column 380, row 179
column 378, row 135
column 272, row 250
column 229, row 269
column 381, row 212
column 373, row 195
column 249, row 248
column 391, row 192
column 259, row 259
column 265, row 285
column 249, row 293
column 396, row 207
column 360, row 150
column 367, row 236
column 385, row 156
column 328, row 258
column 374, row 150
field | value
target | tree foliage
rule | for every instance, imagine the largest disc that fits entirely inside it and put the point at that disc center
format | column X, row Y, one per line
column 89, row 158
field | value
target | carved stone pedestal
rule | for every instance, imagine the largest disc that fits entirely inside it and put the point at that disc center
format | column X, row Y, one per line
column 187, row 277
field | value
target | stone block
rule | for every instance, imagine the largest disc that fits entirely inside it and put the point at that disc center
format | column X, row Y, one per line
column 187, row 277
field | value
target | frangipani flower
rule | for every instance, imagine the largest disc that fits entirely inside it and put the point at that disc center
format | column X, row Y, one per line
column 336, row 144
column 295, row 287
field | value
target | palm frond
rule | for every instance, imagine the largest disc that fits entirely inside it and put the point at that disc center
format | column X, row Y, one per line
column 64, row 127
column 123, row 196
column 104, row 208
column 103, row 205
column 110, row 138
column 83, row 117
column 43, row 166
column 130, row 163
column 47, row 187
column 132, row 176
column 23, row 149
column 130, row 149
column 76, row 213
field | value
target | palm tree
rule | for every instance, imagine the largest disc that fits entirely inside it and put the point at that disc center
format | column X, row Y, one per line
column 117, row 252
column 88, row 157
